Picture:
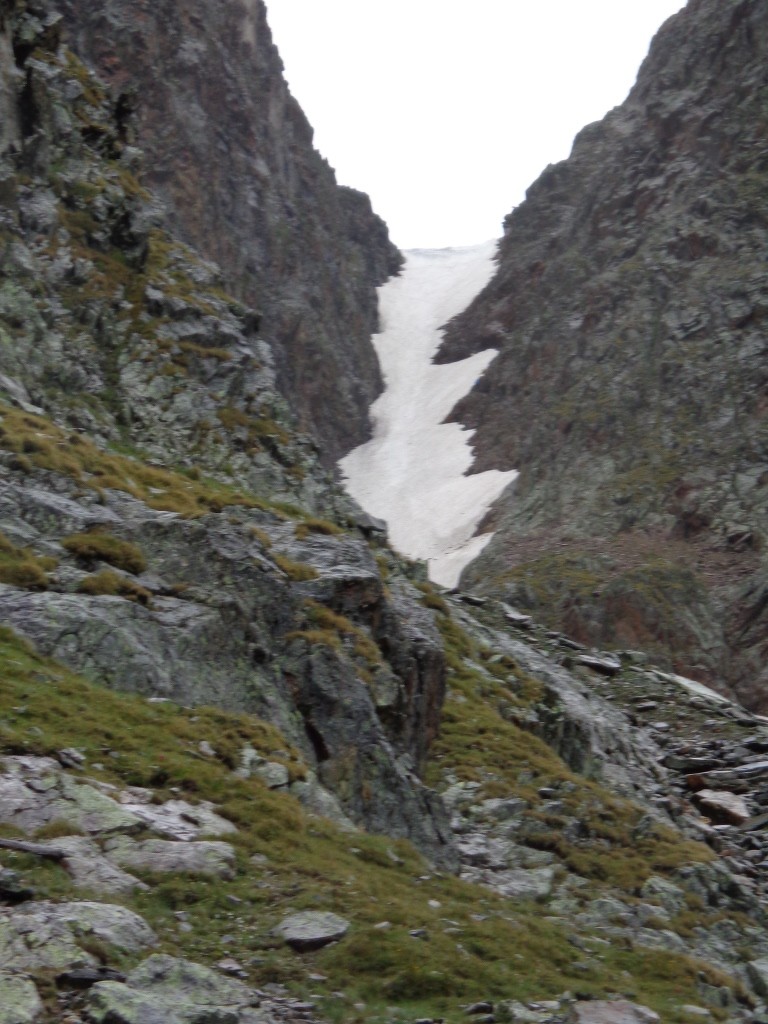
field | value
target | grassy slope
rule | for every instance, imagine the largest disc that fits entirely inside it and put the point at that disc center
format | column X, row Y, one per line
column 478, row 945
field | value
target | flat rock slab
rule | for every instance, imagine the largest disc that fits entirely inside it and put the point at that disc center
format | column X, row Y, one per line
column 89, row 868
column 34, row 791
column 723, row 807
column 312, row 930
column 45, row 935
column 613, row 1012
column 177, row 819
column 174, row 991
column 525, row 884
column 602, row 663
column 202, row 858
column 19, row 1001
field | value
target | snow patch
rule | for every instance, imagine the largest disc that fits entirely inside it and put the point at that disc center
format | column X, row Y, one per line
column 412, row 472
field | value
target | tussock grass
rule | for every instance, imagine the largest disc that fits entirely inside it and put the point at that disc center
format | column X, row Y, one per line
column 299, row 572
column 99, row 546
column 362, row 643
column 47, row 446
column 477, row 946
column 20, row 567
column 110, row 584
column 313, row 525
column 481, row 739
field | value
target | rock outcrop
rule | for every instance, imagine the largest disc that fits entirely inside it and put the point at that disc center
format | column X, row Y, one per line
column 126, row 339
column 245, row 750
column 231, row 154
column 630, row 391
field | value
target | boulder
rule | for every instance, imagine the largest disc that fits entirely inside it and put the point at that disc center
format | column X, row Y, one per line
column 90, row 869
column 604, row 664
column 19, row 1000
column 203, row 858
column 273, row 774
column 177, row 819
column 173, row 991
column 45, row 935
column 525, row 884
column 312, row 930
column 35, row 791
column 611, row 1012
column 723, row 807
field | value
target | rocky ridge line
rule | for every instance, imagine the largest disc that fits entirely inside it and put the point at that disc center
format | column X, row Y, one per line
column 630, row 391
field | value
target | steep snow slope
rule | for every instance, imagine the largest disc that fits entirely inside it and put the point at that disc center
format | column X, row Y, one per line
column 412, row 473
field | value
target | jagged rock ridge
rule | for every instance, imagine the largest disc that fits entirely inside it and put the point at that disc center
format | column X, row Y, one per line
column 630, row 309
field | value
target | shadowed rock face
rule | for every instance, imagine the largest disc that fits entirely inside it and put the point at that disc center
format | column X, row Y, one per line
column 230, row 152
column 631, row 389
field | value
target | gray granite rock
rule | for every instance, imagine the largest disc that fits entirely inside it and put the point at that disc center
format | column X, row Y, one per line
column 45, row 935
column 312, row 930
column 20, row 1002
column 757, row 971
column 174, row 991
column 612, row 1012
column 34, row 792
column 90, row 869
column 204, row 858
column 722, row 806
column 180, row 820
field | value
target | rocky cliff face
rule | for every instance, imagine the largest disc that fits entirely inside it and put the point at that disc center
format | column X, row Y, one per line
column 230, row 152
column 127, row 375
column 253, row 769
column 630, row 310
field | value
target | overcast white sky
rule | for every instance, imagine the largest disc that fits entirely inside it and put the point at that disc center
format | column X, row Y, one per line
column 445, row 111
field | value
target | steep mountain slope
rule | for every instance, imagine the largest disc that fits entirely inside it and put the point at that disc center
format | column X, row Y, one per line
column 230, row 152
column 631, row 390
column 129, row 374
column 253, row 769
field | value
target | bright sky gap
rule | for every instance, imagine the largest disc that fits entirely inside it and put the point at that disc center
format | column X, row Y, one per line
column 444, row 112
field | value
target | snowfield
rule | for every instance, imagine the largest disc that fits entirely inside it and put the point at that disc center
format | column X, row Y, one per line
column 412, row 473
